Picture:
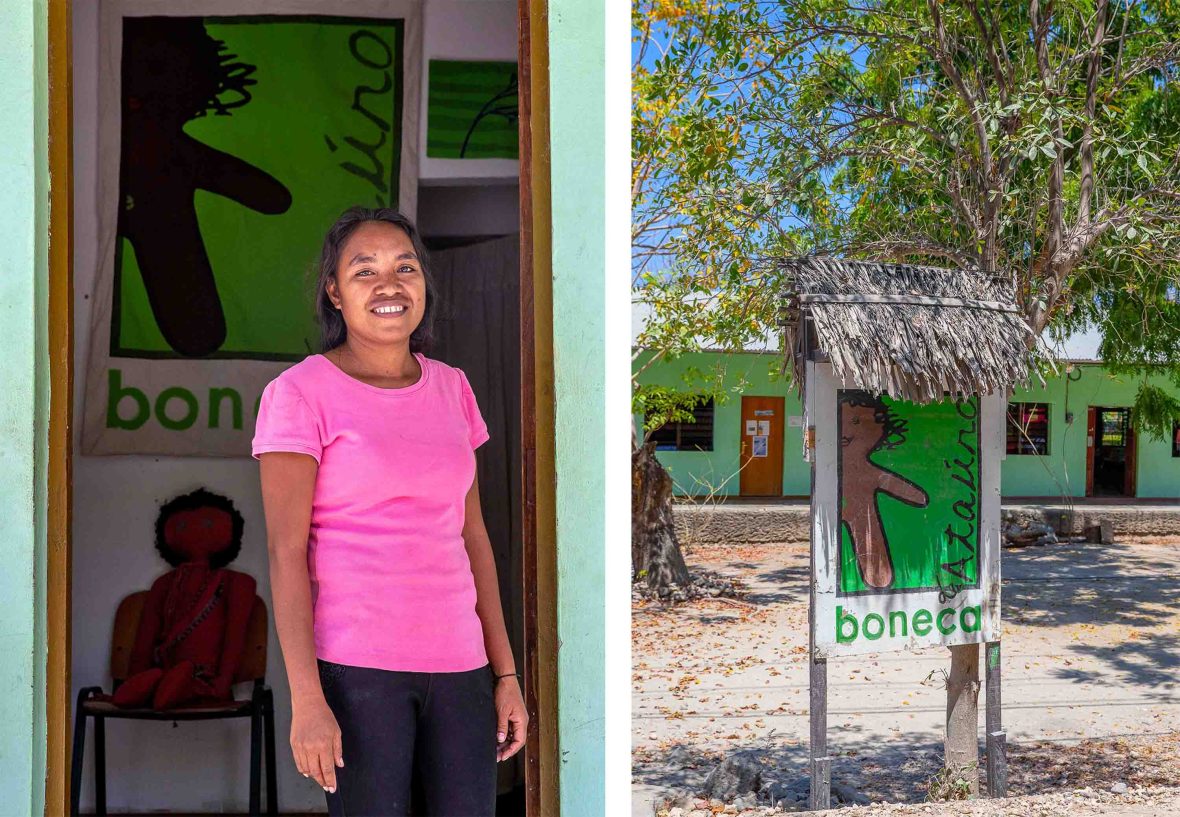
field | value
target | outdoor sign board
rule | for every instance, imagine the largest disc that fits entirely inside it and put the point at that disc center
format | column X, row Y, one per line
column 905, row 519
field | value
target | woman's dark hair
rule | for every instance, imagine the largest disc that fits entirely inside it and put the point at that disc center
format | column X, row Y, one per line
column 893, row 427
column 333, row 330
column 200, row 498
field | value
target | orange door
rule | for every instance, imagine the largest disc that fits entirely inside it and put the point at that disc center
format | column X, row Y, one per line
column 762, row 446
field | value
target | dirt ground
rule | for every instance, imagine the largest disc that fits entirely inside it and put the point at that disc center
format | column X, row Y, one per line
column 1147, row 802
column 1091, row 655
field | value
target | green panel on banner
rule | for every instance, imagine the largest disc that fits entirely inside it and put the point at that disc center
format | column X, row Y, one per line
column 301, row 118
column 909, row 479
column 472, row 110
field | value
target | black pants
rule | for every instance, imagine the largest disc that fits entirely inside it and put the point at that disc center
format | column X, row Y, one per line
column 433, row 734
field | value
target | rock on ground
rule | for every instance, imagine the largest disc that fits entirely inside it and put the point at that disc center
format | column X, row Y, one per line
column 737, row 775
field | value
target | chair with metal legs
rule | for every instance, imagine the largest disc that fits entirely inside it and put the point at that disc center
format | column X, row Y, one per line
column 259, row 708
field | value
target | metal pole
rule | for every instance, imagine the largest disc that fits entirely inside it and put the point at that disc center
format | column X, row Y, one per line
column 821, row 764
column 997, row 742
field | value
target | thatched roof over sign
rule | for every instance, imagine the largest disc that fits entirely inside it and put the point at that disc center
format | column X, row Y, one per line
column 914, row 333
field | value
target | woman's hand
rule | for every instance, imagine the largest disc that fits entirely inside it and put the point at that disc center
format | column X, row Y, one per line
column 315, row 743
column 512, row 721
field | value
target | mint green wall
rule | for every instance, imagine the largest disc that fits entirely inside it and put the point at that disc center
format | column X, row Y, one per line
column 577, row 110
column 1061, row 473
column 698, row 473
column 23, row 401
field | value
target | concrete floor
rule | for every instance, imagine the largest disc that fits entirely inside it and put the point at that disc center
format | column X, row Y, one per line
column 1091, row 649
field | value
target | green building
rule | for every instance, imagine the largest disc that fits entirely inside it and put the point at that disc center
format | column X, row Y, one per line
column 1071, row 437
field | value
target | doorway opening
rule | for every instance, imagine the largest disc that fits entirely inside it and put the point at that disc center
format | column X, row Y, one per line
column 1110, row 452
column 479, row 228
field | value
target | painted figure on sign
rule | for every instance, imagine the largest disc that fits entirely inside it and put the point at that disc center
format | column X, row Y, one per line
column 868, row 425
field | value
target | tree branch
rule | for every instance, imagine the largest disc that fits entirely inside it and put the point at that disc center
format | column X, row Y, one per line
column 1086, row 152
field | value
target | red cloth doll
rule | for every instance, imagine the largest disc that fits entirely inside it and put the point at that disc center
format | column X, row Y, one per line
column 193, row 628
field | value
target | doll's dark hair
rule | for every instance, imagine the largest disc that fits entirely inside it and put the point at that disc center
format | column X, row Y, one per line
column 893, row 427
column 200, row 498
column 333, row 330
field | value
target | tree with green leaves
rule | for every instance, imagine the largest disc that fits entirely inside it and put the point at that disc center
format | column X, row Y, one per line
column 1039, row 141
column 686, row 236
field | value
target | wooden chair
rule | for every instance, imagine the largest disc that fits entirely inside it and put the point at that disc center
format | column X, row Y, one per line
column 259, row 708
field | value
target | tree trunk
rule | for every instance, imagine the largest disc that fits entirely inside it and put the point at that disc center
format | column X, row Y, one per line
column 655, row 552
column 962, row 714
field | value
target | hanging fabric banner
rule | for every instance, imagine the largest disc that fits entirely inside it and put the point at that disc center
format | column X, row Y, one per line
column 231, row 136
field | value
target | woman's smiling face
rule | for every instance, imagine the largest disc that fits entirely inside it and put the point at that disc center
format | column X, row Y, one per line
column 379, row 286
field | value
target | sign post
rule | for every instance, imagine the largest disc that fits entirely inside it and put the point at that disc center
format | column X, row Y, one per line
column 997, row 742
column 906, row 538
column 905, row 372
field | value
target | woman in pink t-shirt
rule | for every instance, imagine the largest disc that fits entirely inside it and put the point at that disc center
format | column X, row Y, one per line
column 382, row 575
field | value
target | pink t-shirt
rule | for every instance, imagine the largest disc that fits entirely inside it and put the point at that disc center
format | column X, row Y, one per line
column 391, row 584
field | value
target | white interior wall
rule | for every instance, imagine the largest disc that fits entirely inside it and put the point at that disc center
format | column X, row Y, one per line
column 204, row 766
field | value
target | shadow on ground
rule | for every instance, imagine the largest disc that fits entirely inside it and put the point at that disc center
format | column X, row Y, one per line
column 1083, row 586
column 1059, row 586
column 900, row 771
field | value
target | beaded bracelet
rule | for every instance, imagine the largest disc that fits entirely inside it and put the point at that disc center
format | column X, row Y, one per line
column 508, row 675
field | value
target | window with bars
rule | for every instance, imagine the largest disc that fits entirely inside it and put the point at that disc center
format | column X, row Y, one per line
column 1028, row 428
column 696, row 436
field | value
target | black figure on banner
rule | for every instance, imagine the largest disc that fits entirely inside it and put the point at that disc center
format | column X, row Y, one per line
column 174, row 72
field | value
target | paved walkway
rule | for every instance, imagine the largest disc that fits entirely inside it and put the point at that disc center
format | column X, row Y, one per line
column 1091, row 650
